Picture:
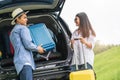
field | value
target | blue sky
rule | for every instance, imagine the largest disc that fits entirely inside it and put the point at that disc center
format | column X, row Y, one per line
column 104, row 16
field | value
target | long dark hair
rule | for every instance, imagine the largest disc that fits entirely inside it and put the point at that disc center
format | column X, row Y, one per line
column 85, row 26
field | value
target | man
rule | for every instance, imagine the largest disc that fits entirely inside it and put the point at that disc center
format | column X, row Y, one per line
column 23, row 46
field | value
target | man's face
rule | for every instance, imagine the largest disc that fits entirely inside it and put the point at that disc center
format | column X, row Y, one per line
column 22, row 19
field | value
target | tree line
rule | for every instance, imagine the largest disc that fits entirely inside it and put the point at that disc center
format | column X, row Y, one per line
column 102, row 47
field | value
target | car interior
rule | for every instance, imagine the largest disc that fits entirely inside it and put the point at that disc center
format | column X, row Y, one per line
column 58, row 54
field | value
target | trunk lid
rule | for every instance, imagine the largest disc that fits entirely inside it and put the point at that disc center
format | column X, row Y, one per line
column 7, row 6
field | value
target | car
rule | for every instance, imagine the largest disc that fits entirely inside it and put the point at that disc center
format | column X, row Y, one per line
column 57, row 66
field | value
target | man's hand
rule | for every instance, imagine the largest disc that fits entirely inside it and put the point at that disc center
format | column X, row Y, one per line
column 40, row 49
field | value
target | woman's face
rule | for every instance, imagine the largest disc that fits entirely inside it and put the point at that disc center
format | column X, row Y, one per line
column 77, row 21
column 22, row 20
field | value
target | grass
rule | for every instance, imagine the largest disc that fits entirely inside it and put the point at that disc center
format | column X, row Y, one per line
column 107, row 64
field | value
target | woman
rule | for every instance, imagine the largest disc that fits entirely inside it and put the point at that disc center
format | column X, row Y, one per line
column 82, row 41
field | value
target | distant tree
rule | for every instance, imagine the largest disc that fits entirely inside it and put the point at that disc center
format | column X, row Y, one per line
column 101, row 47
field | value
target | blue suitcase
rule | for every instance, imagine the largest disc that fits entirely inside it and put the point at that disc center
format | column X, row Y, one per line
column 41, row 36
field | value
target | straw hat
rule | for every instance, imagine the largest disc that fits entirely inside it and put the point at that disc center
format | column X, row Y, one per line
column 16, row 13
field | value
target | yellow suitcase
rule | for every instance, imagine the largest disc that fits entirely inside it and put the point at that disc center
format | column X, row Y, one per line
column 87, row 74
column 82, row 75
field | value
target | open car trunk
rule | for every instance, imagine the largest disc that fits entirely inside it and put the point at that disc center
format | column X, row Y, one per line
column 55, row 59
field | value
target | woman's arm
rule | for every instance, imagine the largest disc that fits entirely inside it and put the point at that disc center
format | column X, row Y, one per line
column 72, row 41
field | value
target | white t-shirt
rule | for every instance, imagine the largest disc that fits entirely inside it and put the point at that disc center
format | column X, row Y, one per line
column 80, row 48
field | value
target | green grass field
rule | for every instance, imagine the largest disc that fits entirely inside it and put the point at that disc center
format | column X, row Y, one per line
column 107, row 64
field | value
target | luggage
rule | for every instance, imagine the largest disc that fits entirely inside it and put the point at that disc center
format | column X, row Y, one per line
column 11, row 46
column 9, row 50
column 82, row 75
column 87, row 74
column 41, row 36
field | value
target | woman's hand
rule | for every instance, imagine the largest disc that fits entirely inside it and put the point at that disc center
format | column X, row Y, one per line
column 72, row 41
column 82, row 40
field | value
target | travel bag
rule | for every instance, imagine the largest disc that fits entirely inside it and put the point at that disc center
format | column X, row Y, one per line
column 41, row 36
column 87, row 74
column 8, row 50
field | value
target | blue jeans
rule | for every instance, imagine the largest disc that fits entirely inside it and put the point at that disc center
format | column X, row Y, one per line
column 26, row 73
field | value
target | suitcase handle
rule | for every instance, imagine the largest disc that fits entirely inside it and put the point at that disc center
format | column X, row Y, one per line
column 83, row 58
